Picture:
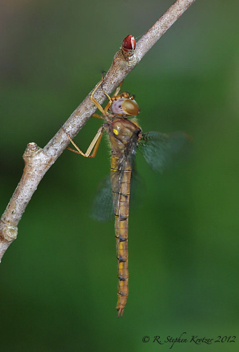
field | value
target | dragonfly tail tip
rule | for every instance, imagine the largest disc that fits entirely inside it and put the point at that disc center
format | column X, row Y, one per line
column 120, row 312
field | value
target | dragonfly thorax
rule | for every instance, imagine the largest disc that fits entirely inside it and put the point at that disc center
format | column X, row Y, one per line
column 123, row 133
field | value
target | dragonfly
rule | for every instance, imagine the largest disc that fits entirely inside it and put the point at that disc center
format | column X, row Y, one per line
column 126, row 137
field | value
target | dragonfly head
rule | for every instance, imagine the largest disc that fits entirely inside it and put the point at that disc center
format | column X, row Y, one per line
column 124, row 105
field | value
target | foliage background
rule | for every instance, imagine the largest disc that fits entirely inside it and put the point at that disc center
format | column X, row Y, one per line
column 59, row 279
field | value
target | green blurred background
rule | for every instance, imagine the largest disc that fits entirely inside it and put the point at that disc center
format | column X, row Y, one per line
column 59, row 279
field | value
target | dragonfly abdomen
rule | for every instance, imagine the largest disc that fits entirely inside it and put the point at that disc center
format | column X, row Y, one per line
column 121, row 197
column 121, row 234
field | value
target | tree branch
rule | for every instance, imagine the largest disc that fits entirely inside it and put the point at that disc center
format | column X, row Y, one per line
column 38, row 161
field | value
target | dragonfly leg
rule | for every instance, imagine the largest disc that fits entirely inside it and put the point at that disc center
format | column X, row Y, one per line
column 110, row 99
column 118, row 89
column 105, row 110
column 93, row 147
column 98, row 116
column 97, row 104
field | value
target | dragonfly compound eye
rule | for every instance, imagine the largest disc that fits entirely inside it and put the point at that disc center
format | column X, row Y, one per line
column 125, row 107
column 130, row 107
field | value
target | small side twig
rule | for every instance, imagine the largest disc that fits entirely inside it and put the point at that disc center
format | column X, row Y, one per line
column 38, row 161
column 36, row 164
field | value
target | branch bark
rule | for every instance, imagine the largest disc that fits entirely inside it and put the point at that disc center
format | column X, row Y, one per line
column 38, row 161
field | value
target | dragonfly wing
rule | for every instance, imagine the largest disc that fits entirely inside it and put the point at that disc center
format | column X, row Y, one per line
column 161, row 150
column 102, row 207
column 124, row 163
column 116, row 179
column 116, row 176
column 104, row 203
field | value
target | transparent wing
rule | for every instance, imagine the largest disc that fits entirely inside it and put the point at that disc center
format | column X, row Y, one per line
column 102, row 206
column 161, row 150
column 116, row 177
column 123, row 163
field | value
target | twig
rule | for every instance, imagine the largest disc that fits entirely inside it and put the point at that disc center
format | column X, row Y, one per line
column 38, row 161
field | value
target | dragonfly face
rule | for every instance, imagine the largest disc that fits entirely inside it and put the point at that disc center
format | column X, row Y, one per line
column 124, row 105
column 125, row 138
